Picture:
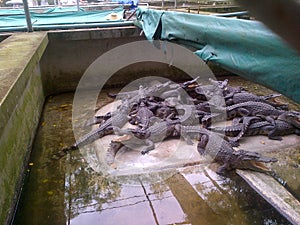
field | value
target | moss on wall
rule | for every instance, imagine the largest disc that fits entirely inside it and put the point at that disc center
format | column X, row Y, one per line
column 16, row 140
column 21, row 102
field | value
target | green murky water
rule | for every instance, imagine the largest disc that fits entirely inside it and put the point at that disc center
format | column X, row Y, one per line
column 68, row 191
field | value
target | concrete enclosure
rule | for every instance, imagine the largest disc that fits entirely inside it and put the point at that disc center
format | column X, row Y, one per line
column 35, row 65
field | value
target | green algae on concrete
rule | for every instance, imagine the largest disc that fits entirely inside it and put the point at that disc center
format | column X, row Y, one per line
column 21, row 102
column 19, row 56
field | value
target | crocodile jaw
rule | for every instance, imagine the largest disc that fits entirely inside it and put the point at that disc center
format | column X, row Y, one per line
column 256, row 165
column 252, row 161
column 259, row 166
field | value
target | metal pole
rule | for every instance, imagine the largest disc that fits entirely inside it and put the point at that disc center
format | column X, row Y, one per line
column 27, row 14
column 78, row 9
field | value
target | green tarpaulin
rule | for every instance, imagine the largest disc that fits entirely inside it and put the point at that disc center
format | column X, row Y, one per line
column 20, row 11
column 246, row 48
column 57, row 17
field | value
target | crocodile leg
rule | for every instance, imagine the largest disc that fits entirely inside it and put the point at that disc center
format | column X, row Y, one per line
column 150, row 146
column 246, row 123
column 203, row 140
column 221, row 169
column 238, row 112
column 114, row 148
column 272, row 135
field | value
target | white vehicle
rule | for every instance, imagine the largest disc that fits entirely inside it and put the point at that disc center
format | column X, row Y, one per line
column 14, row 3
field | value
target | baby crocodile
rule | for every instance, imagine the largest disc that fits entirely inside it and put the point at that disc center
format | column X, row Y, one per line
column 153, row 134
column 287, row 123
column 141, row 115
column 222, row 152
column 117, row 120
column 244, row 96
column 250, row 108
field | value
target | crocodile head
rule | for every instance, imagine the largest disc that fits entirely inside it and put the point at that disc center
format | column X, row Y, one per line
column 251, row 161
column 141, row 134
column 292, row 117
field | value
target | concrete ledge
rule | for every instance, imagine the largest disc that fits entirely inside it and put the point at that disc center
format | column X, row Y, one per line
column 19, row 54
column 21, row 102
column 94, row 34
column 273, row 193
column 4, row 36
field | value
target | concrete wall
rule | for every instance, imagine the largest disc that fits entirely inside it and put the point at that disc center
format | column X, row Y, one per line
column 69, row 54
column 21, row 103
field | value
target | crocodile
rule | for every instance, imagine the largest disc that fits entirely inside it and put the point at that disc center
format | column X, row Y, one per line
column 222, row 152
column 286, row 123
column 244, row 96
column 249, row 126
column 249, row 108
column 252, row 108
column 153, row 134
column 105, row 128
column 141, row 115
column 165, row 112
column 98, row 119
column 143, row 92
column 117, row 119
column 220, row 87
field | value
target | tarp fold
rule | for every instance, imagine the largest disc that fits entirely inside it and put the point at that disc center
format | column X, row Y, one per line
column 246, row 48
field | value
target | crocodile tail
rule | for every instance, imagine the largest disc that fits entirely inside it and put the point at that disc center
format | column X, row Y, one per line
column 93, row 136
column 63, row 152
column 217, row 129
column 246, row 123
column 60, row 154
column 284, row 184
